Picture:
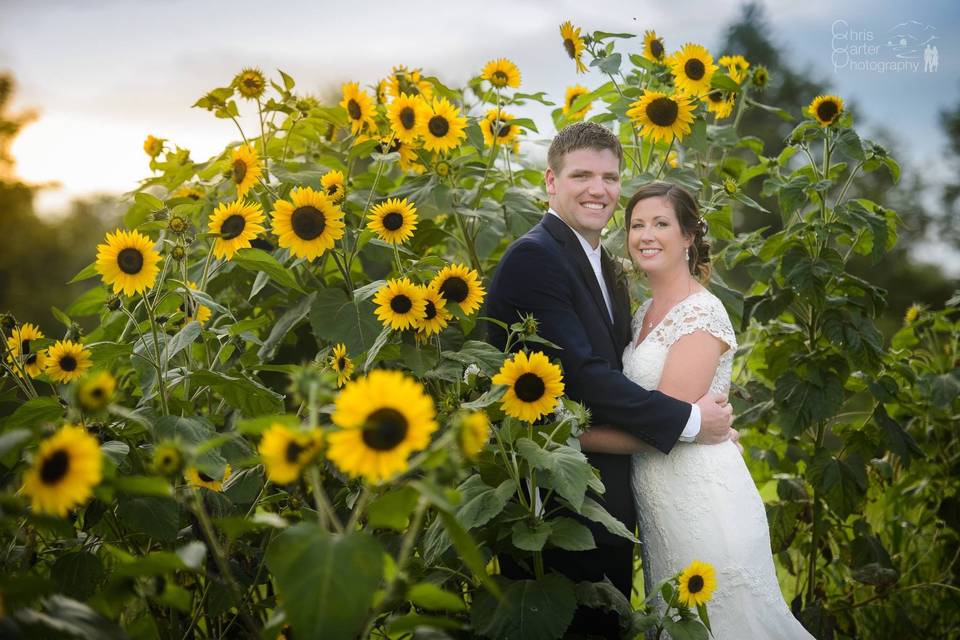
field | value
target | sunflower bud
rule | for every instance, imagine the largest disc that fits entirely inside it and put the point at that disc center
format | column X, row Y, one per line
column 114, row 303
column 442, row 168
column 178, row 253
column 730, row 186
column 177, row 225
column 8, row 322
column 530, row 326
column 161, row 214
column 761, row 77
column 73, row 333
column 167, row 460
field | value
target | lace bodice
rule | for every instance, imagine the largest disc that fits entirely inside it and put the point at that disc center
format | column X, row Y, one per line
column 700, row 311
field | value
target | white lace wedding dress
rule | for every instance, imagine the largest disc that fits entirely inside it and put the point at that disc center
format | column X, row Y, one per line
column 699, row 502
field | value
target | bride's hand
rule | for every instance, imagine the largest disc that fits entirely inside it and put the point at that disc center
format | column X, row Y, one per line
column 735, row 438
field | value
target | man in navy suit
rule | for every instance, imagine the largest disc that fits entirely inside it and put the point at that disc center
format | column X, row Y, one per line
column 561, row 274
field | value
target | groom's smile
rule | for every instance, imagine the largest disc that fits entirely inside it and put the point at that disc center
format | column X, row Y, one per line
column 585, row 190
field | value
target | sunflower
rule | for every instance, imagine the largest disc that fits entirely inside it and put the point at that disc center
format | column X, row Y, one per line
column 911, row 315
column 435, row 315
column 442, row 168
column 67, row 360
column 660, row 116
column 501, row 73
column 573, row 93
column 382, row 92
column 341, row 364
column 20, row 354
column 200, row 479
column 474, row 432
column 95, row 392
column 719, row 103
column 653, row 48
column 406, row 150
column 393, row 221
column 67, row 467
column 153, row 146
column 408, row 81
column 128, row 261
column 187, row 191
column 736, row 67
column 826, row 109
column 498, row 120
column 760, row 77
column 405, row 115
column 244, row 168
column 697, row 583
column 459, row 284
column 285, row 451
column 400, row 304
column 443, row 128
column 333, row 187
column 359, row 106
column 167, row 460
column 692, row 69
column 573, row 44
column 533, row 386
column 203, row 313
column 383, row 418
column 235, row 224
column 309, row 225
column 250, row 83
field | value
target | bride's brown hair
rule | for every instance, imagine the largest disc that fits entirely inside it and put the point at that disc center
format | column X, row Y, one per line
column 688, row 215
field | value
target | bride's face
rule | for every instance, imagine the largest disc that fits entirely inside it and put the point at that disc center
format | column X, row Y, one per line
column 655, row 239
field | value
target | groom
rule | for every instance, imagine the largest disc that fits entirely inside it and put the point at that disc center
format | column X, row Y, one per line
column 560, row 273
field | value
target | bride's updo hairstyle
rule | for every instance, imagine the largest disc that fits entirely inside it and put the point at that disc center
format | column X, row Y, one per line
column 688, row 215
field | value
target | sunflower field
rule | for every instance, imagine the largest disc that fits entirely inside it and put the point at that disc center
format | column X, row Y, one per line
column 287, row 422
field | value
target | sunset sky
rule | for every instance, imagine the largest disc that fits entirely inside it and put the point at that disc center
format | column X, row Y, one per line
column 104, row 74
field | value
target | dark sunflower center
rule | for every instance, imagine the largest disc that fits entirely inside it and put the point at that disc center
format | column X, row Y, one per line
column 499, row 77
column 715, row 96
column 438, row 126
column 252, row 83
column 408, row 117
column 341, row 363
column 529, row 387
column 97, row 393
column 401, row 304
column 353, row 108
column 31, row 358
column 694, row 69
column 827, row 110
column 239, row 171
column 431, row 311
column 292, row 454
column 384, row 429
column 656, row 48
column 204, row 476
column 232, row 227
column 24, row 347
column 570, row 47
column 695, row 584
column 393, row 221
column 504, row 130
column 167, row 460
column 333, row 189
column 308, row 222
column 454, row 289
column 68, row 363
column 662, row 112
column 55, row 467
column 130, row 260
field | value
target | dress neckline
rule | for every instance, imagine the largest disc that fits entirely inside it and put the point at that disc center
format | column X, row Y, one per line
column 645, row 306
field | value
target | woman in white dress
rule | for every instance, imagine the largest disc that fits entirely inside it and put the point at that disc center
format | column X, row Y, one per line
column 699, row 502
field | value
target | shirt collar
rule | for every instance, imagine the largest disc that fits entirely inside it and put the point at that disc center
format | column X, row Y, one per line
column 590, row 251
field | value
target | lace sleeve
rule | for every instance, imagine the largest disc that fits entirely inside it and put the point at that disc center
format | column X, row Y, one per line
column 702, row 312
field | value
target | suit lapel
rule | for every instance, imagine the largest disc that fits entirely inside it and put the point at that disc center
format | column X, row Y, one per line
column 571, row 245
column 617, row 286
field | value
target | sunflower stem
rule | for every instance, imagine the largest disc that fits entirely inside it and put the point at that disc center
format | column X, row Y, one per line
column 358, row 508
column 344, row 272
column 161, row 385
column 240, row 129
column 286, row 139
column 396, row 255
column 263, row 141
column 666, row 157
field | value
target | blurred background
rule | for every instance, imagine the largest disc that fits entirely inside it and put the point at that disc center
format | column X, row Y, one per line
column 83, row 83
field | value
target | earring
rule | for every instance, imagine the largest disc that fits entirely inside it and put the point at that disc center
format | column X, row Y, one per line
column 686, row 254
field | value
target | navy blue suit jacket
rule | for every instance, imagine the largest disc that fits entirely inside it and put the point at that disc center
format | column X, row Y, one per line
column 547, row 273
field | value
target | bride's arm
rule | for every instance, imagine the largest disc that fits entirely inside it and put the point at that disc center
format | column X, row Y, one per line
column 691, row 364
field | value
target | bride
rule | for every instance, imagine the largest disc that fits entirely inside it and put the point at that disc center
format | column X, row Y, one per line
column 699, row 502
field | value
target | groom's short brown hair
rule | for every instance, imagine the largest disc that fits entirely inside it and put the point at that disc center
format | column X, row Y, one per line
column 582, row 135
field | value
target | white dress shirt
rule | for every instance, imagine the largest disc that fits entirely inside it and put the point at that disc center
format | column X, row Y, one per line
column 692, row 429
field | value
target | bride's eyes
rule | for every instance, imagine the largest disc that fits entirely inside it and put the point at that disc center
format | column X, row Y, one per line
column 660, row 223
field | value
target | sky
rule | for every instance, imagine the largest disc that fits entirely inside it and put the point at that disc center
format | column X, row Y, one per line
column 102, row 74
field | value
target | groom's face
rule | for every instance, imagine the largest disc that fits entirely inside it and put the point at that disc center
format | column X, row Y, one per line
column 585, row 191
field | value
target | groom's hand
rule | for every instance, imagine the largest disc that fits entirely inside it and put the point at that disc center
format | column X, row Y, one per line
column 716, row 416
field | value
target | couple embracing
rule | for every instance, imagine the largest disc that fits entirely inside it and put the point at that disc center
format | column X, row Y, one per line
column 656, row 388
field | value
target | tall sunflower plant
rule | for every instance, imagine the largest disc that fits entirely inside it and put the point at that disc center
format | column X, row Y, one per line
column 281, row 377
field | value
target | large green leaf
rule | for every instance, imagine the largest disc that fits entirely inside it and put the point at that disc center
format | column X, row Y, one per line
column 78, row 573
column 335, row 318
column 594, row 511
column 259, row 261
column 571, row 535
column 284, row 324
column 34, row 412
column 482, row 502
column 326, row 582
column 152, row 516
column 489, row 359
column 243, row 393
column 529, row 609
column 843, row 481
column 530, row 536
column 568, row 469
column 64, row 617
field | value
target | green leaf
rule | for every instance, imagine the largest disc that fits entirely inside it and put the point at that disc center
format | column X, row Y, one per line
column 284, row 325
column 89, row 271
column 334, row 319
column 145, row 199
column 192, row 431
column 467, row 550
column 481, row 503
column 848, row 143
column 142, row 486
column 599, row 36
column 609, row 64
column 243, row 393
column 183, row 339
column 530, row 609
column 116, row 450
column 152, row 516
column 326, row 582
column 530, row 536
column 568, row 469
column 288, row 82
column 60, row 616
column 392, row 510
column 898, row 440
column 90, row 303
column 842, row 481
column 724, row 82
column 487, row 357
column 429, row 596
column 11, row 441
column 592, row 510
column 33, row 412
column 567, row 533
column 258, row 261
column 78, row 573
column 685, row 629
column 605, row 597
